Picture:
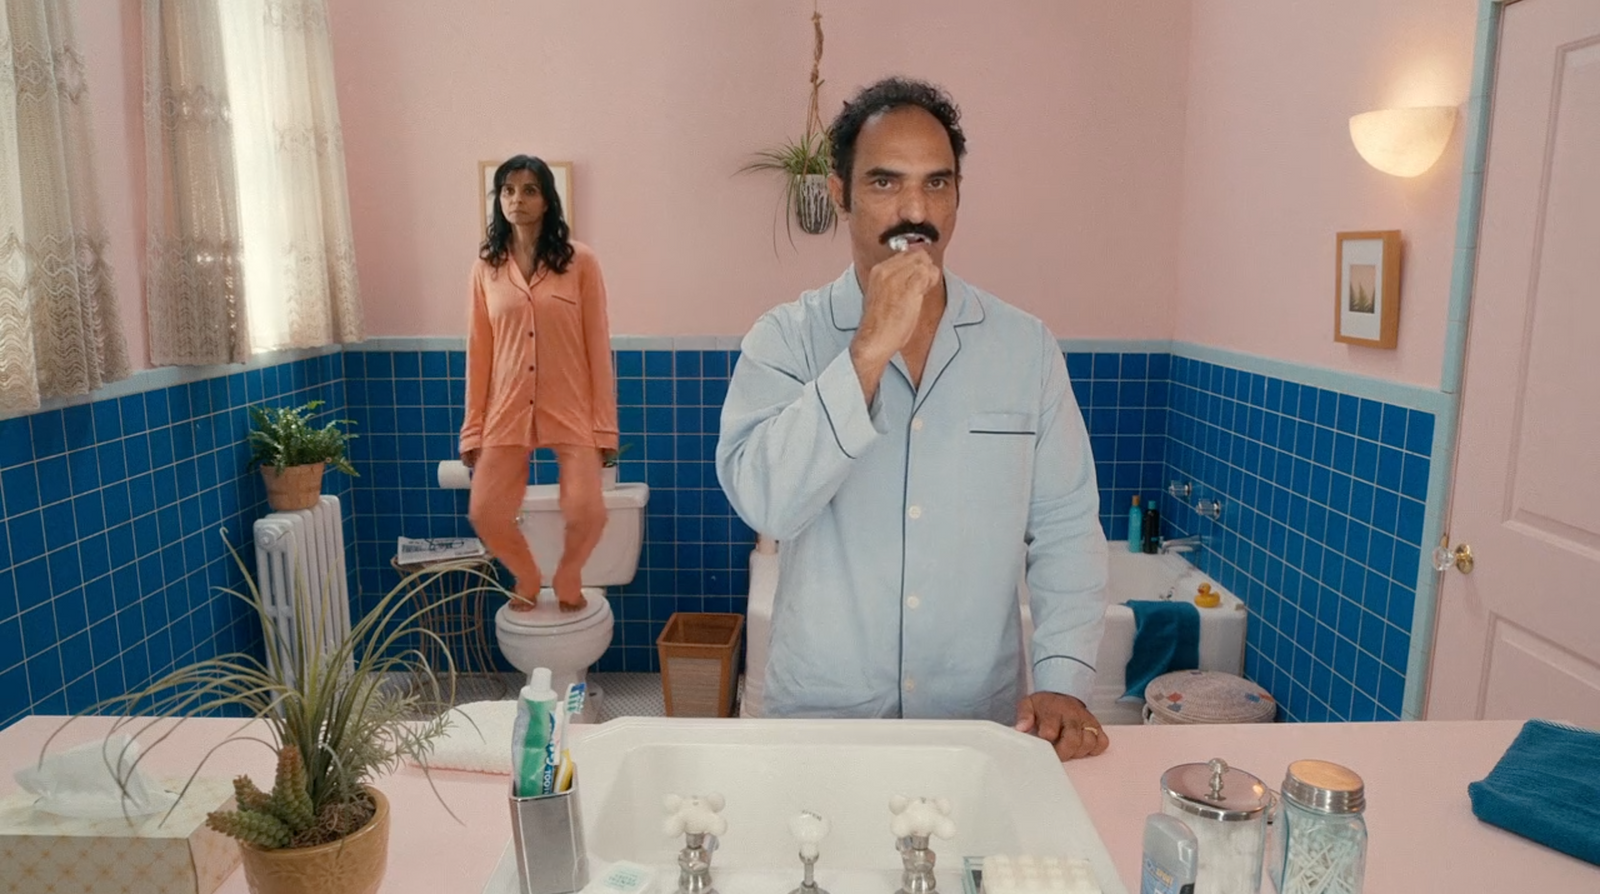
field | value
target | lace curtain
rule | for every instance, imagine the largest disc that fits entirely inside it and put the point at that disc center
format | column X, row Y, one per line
column 275, row 254
column 294, row 204
column 194, row 281
column 60, row 332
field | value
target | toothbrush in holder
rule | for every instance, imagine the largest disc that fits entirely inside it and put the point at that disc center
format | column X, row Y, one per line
column 573, row 707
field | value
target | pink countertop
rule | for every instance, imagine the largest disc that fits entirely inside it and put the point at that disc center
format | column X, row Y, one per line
column 1423, row 835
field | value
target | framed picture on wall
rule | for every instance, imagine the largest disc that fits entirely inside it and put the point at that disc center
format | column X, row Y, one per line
column 561, row 170
column 1366, row 305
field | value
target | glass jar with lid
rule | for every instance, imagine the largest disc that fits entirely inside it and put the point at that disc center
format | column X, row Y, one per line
column 1319, row 839
column 1226, row 808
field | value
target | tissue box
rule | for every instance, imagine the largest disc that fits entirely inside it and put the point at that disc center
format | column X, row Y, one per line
column 42, row 852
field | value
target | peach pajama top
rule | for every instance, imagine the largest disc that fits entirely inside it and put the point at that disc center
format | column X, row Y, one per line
column 539, row 358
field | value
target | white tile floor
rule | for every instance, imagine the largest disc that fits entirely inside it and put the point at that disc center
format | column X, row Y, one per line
column 620, row 694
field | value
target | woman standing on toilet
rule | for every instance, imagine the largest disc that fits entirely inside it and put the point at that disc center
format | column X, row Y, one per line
column 538, row 375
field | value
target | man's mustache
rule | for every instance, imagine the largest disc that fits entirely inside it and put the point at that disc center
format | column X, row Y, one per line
column 907, row 228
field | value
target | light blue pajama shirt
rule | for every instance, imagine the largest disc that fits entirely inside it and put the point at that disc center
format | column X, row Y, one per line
column 906, row 525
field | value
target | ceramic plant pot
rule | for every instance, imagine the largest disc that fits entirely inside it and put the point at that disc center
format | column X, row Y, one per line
column 814, row 208
column 352, row 865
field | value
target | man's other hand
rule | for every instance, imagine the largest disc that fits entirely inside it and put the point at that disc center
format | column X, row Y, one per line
column 1063, row 721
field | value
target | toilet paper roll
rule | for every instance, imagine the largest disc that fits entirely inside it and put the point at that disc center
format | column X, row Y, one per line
column 454, row 475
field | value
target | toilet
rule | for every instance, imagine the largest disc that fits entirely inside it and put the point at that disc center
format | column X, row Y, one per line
column 569, row 642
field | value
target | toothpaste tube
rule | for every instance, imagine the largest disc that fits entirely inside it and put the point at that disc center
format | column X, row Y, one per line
column 534, row 750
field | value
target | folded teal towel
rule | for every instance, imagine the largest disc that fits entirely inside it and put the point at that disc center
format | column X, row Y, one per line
column 1546, row 788
column 1166, row 637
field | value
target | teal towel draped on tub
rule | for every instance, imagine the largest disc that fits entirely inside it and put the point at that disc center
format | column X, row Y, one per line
column 1166, row 637
column 1546, row 788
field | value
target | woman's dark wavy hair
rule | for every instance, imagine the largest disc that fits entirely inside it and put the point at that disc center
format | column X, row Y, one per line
column 554, row 249
column 884, row 96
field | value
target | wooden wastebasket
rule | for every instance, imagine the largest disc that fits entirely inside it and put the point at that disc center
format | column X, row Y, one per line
column 699, row 654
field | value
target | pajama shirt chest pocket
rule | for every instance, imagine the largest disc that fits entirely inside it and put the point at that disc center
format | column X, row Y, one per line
column 562, row 304
column 997, row 457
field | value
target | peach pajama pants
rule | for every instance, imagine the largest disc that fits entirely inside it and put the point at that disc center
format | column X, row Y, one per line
column 498, row 481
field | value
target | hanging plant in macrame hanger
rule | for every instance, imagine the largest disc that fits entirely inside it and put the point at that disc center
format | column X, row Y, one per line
column 806, row 163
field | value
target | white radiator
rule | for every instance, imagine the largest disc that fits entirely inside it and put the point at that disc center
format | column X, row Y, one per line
column 304, row 549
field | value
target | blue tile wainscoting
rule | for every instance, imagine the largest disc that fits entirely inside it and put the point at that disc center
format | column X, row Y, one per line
column 1324, row 500
column 111, row 549
column 1321, row 535
column 1124, row 396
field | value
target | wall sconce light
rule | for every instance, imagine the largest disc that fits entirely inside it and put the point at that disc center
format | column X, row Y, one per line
column 1403, row 142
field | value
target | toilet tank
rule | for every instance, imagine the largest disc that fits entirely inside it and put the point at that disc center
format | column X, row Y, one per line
column 615, row 560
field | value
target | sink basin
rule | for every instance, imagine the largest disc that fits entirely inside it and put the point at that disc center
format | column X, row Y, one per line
column 1007, row 791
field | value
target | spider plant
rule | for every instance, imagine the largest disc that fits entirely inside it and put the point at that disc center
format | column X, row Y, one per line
column 795, row 160
column 335, row 715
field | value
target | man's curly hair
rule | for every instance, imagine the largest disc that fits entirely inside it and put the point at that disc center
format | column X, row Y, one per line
column 884, row 96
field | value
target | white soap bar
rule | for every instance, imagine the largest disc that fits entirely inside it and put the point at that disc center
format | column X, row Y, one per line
column 1004, row 874
column 622, row 877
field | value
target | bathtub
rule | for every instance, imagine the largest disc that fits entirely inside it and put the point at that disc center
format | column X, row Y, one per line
column 1133, row 576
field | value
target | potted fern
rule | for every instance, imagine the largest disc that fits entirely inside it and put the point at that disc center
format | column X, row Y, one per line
column 337, row 720
column 293, row 453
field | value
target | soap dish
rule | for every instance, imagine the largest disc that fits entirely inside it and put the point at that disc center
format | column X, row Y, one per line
column 1005, row 874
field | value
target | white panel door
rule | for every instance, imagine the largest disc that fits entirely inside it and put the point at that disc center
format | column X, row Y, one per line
column 1519, row 636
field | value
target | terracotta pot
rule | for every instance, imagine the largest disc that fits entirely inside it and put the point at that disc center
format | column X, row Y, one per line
column 351, row 865
column 296, row 487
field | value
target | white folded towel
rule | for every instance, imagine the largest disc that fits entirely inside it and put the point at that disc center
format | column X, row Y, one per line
column 479, row 739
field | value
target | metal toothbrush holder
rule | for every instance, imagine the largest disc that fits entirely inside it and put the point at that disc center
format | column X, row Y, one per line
column 548, row 831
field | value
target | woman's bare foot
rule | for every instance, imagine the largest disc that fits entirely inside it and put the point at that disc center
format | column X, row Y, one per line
column 569, row 590
column 522, row 601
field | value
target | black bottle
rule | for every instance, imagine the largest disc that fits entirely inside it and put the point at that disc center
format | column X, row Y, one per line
column 1152, row 528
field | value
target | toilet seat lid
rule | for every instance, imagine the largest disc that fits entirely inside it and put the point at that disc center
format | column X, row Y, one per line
column 547, row 616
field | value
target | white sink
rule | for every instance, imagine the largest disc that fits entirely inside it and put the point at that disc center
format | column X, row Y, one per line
column 1008, row 793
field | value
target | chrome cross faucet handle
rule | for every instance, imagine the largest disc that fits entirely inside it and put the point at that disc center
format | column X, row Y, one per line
column 915, row 822
column 699, row 819
column 808, row 830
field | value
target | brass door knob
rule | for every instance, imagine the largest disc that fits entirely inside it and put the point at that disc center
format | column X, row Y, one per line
column 1444, row 556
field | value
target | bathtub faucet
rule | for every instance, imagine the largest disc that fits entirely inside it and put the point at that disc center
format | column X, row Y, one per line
column 1182, row 544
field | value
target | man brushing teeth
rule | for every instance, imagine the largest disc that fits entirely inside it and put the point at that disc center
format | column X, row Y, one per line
column 913, row 443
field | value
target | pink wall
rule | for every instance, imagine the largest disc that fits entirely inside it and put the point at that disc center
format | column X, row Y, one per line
column 1270, row 174
column 1074, row 113
column 1081, row 154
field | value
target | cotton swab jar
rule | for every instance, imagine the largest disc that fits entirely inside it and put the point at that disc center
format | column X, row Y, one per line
column 1226, row 808
column 1319, row 842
